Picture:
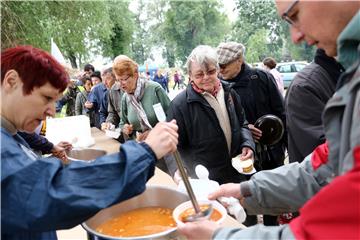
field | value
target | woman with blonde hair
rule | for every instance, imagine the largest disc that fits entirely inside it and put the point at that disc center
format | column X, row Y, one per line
column 137, row 104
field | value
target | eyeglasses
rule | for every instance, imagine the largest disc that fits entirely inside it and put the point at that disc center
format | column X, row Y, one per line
column 290, row 18
column 202, row 74
column 124, row 80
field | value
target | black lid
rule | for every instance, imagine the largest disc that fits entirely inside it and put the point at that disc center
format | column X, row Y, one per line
column 272, row 129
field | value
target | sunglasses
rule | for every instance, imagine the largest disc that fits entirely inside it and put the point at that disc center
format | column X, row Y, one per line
column 223, row 66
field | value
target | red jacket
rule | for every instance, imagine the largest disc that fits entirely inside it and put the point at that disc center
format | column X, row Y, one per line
column 333, row 213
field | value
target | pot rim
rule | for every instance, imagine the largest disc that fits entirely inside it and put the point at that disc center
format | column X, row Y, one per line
column 155, row 235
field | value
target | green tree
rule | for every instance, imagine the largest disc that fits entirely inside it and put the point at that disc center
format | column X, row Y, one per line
column 140, row 45
column 122, row 27
column 256, row 49
column 188, row 24
column 77, row 27
column 255, row 15
column 261, row 14
column 155, row 28
column 21, row 24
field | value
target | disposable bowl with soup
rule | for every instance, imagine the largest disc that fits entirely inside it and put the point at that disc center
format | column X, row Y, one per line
column 147, row 212
column 186, row 209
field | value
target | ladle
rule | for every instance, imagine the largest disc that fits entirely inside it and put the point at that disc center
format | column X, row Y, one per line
column 199, row 213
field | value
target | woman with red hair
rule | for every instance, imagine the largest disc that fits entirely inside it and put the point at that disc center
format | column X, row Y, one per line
column 40, row 195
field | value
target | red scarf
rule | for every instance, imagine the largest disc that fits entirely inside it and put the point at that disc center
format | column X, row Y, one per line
column 214, row 92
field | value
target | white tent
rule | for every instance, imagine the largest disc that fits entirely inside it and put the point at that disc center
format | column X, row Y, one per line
column 55, row 52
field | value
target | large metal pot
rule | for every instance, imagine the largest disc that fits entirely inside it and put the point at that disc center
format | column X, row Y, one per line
column 85, row 155
column 153, row 196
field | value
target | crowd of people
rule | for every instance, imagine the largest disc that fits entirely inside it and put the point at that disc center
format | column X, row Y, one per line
column 95, row 100
column 210, row 122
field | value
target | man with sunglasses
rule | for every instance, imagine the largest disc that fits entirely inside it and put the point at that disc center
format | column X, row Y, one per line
column 259, row 96
column 325, row 186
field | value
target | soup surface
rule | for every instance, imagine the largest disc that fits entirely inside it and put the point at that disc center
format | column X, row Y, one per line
column 139, row 222
column 216, row 215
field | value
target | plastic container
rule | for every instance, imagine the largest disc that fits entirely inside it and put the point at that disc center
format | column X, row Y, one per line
column 186, row 205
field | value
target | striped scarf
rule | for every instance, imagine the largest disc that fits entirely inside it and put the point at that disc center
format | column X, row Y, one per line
column 135, row 101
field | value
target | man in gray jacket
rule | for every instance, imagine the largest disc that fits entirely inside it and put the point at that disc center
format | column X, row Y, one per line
column 114, row 104
column 325, row 187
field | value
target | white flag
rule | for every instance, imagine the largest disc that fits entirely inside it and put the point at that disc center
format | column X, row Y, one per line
column 55, row 52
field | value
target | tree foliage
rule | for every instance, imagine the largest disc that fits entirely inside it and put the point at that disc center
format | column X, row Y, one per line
column 109, row 28
column 141, row 42
column 254, row 15
column 261, row 14
column 188, row 24
column 122, row 27
column 76, row 26
column 256, row 49
column 155, row 27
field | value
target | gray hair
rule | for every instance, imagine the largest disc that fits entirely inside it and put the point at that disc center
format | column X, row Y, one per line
column 108, row 71
column 202, row 55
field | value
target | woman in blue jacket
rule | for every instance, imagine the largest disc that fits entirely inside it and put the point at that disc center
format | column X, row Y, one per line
column 41, row 195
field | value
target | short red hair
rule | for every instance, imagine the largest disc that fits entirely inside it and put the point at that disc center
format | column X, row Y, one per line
column 124, row 65
column 35, row 68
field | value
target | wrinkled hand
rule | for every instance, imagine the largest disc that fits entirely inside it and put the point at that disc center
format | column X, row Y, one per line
column 127, row 129
column 198, row 230
column 246, row 153
column 226, row 190
column 60, row 149
column 142, row 136
column 256, row 133
column 163, row 138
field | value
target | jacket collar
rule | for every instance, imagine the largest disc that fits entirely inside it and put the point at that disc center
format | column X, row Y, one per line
column 348, row 41
column 329, row 64
column 193, row 96
column 242, row 79
column 116, row 86
column 8, row 126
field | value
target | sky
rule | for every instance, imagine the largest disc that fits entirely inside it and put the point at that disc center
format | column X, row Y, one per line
column 229, row 8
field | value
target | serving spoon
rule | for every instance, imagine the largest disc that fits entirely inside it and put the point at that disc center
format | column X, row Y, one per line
column 199, row 214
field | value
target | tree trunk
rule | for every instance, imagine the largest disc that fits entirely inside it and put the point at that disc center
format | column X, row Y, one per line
column 73, row 60
column 170, row 58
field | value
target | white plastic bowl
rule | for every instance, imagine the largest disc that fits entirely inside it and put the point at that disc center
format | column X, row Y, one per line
column 186, row 205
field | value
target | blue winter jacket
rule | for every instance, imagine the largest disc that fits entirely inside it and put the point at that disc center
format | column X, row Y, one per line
column 40, row 195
